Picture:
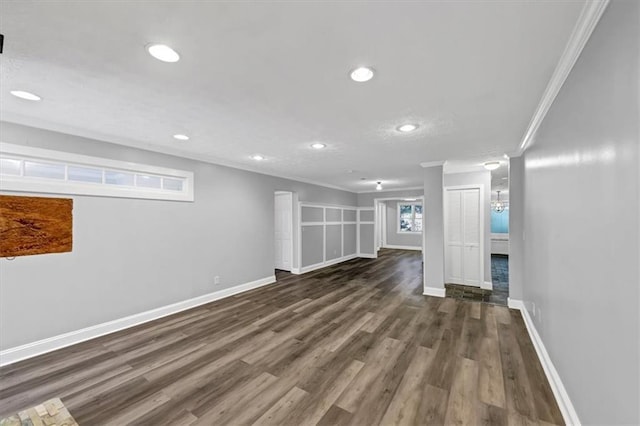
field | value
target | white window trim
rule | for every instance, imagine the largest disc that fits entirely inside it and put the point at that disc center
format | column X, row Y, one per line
column 55, row 186
column 413, row 212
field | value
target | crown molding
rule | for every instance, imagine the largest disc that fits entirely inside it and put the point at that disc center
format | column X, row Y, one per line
column 587, row 21
column 174, row 152
column 411, row 188
column 432, row 164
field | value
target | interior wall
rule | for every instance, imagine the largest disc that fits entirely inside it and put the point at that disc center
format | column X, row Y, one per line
column 478, row 178
column 581, row 186
column 323, row 227
column 133, row 255
column 516, row 227
column 394, row 237
column 433, row 232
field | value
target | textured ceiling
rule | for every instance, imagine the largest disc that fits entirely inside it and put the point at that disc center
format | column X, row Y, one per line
column 272, row 77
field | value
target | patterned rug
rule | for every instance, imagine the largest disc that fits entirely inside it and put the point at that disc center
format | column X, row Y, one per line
column 49, row 413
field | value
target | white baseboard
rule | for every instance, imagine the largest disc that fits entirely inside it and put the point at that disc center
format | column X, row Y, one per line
column 388, row 246
column 434, row 291
column 487, row 285
column 295, row 271
column 367, row 255
column 321, row 265
column 29, row 350
column 562, row 397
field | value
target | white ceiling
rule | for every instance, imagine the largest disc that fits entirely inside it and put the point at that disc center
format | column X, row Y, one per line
column 272, row 77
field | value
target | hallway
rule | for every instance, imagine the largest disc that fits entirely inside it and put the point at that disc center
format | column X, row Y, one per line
column 355, row 343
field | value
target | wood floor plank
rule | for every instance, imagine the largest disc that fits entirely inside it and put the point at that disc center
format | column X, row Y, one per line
column 407, row 399
column 463, row 401
column 355, row 343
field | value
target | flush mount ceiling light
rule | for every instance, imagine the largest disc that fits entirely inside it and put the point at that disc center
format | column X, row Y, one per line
column 163, row 53
column 492, row 165
column 257, row 157
column 406, row 128
column 181, row 137
column 318, row 145
column 362, row 74
column 379, row 186
column 25, row 95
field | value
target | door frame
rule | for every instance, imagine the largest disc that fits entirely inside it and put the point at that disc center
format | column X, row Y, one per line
column 378, row 201
column 445, row 206
column 290, row 196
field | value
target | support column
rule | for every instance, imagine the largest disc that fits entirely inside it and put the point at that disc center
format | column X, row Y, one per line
column 516, row 228
column 433, row 230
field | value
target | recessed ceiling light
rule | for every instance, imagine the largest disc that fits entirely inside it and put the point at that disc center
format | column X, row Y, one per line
column 406, row 128
column 492, row 165
column 362, row 74
column 181, row 137
column 25, row 95
column 318, row 145
column 379, row 186
column 163, row 53
column 257, row 157
column 506, row 157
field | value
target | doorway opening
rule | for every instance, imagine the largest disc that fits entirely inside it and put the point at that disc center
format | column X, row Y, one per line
column 283, row 230
column 399, row 223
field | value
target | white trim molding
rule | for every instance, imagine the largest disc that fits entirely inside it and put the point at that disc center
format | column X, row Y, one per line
column 390, row 246
column 428, row 164
column 409, row 188
column 486, row 285
column 305, row 269
column 30, row 350
column 589, row 17
column 559, row 392
column 367, row 255
column 434, row 291
column 77, row 174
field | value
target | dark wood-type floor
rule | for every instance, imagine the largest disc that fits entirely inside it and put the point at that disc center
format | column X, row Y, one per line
column 500, row 280
column 356, row 343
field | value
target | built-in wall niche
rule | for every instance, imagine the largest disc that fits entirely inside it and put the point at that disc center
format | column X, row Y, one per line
column 35, row 225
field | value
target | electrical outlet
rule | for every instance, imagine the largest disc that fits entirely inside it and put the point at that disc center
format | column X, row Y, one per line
column 216, row 280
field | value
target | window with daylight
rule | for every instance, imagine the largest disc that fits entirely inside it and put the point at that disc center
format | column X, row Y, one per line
column 409, row 217
column 28, row 169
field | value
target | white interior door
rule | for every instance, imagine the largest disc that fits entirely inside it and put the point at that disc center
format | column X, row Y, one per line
column 463, row 262
column 455, row 238
column 283, row 230
column 471, row 226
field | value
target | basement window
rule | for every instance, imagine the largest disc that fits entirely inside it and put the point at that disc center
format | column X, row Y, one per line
column 28, row 169
column 409, row 218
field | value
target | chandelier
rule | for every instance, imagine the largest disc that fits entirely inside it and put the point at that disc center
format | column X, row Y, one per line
column 498, row 206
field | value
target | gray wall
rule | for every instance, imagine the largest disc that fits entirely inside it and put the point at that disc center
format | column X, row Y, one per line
column 394, row 237
column 474, row 178
column 312, row 247
column 350, row 239
column 367, row 238
column 581, row 186
column 433, row 253
column 516, row 227
column 133, row 255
